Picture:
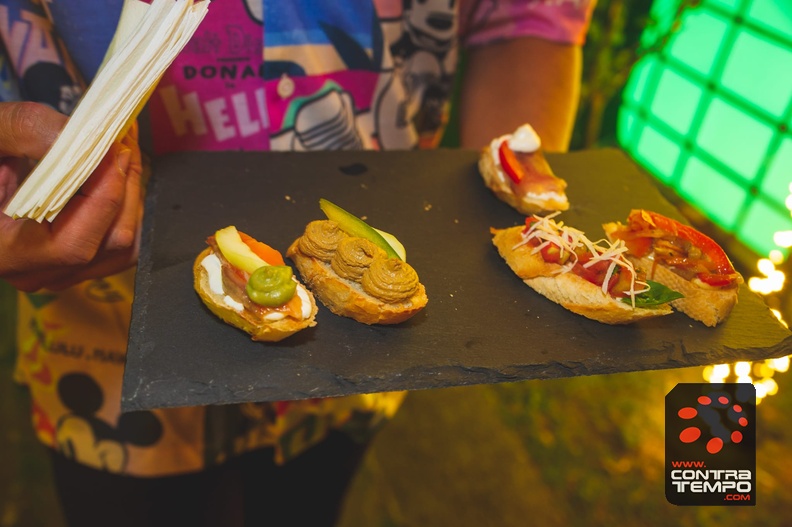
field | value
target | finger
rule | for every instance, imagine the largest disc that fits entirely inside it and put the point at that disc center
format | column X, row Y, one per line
column 29, row 129
column 25, row 246
column 131, row 140
column 109, row 264
column 114, row 264
column 84, row 222
column 60, row 277
column 126, row 226
column 57, row 279
column 132, row 134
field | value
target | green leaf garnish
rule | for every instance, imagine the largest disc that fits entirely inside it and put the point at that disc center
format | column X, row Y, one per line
column 354, row 226
column 657, row 295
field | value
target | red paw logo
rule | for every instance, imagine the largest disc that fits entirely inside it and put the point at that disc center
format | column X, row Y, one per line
column 716, row 413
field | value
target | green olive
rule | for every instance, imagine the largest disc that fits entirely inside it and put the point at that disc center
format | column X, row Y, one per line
column 271, row 285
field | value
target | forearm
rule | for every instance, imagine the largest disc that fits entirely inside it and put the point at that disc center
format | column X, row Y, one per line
column 526, row 80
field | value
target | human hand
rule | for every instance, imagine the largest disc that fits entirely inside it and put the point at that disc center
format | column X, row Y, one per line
column 96, row 234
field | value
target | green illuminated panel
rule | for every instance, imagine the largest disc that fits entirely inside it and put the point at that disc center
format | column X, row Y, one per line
column 729, row 5
column 716, row 195
column 657, row 151
column 735, row 138
column 628, row 126
column 676, row 100
column 772, row 15
column 698, row 45
column 754, row 232
column 753, row 66
column 778, row 178
column 662, row 15
column 639, row 78
column 708, row 111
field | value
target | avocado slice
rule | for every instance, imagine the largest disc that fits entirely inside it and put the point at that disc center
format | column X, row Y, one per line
column 354, row 226
column 236, row 251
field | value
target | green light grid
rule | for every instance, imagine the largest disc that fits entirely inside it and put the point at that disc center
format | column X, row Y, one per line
column 708, row 111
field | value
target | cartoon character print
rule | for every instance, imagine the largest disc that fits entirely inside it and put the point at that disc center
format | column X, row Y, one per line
column 326, row 122
column 255, row 10
column 324, row 115
column 46, row 74
column 9, row 90
column 83, row 437
column 410, row 62
column 51, row 84
column 102, row 290
column 424, row 63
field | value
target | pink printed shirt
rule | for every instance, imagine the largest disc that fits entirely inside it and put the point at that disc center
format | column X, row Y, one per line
column 259, row 74
column 372, row 75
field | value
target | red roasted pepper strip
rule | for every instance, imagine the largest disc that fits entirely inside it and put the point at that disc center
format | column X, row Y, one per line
column 724, row 273
column 509, row 162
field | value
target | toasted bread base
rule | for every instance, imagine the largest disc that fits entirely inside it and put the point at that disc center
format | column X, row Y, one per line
column 501, row 188
column 708, row 306
column 347, row 298
column 566, row 289
column 260, row 331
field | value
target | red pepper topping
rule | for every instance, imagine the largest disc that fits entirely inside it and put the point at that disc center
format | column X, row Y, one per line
column 678, row 245
column 509, row 162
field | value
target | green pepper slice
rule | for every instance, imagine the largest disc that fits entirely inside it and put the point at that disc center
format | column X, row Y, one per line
column 271, row 285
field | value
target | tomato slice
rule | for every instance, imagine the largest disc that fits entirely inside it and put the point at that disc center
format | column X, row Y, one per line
column 509, row 163
column 595, row 273
column 551, row 253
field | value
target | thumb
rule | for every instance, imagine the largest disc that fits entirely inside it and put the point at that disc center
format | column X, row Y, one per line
column 28, row 129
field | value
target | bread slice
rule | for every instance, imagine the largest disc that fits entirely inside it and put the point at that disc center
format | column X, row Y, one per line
column 566, row 289
column 499, row 184
column 266, row 331
column 710, row 306
column 347, row 298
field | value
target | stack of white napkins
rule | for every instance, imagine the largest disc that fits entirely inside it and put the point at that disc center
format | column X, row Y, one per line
column 147, row 40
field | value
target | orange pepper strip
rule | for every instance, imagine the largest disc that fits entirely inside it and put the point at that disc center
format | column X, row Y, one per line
column 262, row 250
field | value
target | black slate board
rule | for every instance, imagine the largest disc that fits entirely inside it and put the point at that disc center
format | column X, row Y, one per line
column 482, row 324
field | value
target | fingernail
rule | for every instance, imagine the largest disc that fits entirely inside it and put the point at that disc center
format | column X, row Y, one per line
column 122, row 159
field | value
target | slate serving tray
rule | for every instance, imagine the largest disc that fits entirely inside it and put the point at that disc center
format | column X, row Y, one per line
column 482, row 324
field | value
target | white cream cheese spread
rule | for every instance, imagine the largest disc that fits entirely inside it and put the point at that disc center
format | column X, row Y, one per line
column 214, row 273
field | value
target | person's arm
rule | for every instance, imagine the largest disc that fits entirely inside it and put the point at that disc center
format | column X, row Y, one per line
column 524, row 80
column 95, row 235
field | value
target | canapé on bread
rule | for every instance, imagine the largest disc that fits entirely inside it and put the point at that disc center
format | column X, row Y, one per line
column 515, row 169
column 556, row 282
column 228, row 291
column 355, row 271
column 682, row 258
column 708, row 306
column 347, row 297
